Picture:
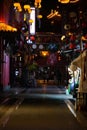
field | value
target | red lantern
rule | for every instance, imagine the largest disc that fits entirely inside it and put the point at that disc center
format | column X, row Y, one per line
column 72, row 46
column 32, row 38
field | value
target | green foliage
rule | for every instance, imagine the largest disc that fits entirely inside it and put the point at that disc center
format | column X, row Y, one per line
column 32, row 67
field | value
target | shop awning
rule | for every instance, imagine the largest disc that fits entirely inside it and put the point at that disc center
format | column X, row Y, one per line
column 6, row 27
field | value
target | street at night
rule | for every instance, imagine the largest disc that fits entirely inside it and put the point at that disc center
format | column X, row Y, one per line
column 46, row 108
column 43, row 64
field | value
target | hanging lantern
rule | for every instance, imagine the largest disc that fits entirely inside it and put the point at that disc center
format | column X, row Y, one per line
column 27, row 8
column 31, row 21
column 38, row 3
column 39, row 16
column 17, row 6
column 64, row 1
column 67, row 1
column 32, row 38
column 44, row 53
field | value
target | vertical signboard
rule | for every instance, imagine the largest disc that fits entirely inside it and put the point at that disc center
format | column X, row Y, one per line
column 32, row 25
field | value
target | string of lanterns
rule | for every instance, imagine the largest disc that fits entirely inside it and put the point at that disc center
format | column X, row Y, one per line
column 27, row 9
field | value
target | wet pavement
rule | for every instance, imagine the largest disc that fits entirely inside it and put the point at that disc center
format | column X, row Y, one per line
column 41, row 113
column 48, row 94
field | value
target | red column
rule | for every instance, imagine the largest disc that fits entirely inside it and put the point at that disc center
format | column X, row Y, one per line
column 4, row 10
column 6, row 70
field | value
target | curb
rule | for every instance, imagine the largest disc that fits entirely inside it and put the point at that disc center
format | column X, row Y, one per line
column 79, row 115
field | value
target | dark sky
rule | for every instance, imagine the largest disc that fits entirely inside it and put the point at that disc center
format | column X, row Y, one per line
column 46, row 25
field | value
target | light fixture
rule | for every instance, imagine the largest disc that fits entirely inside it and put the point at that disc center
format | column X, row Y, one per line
column 44, row 53
column 39, row 16
column 63, row 37
column 53, row 14
column 31, row 21
column 27, row 8
column 67, row 1
column 17, row 7
column 48, row 16
column 38, row 3
column 64, row 1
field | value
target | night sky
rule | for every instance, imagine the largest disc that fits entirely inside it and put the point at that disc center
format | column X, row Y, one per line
column 46, row 25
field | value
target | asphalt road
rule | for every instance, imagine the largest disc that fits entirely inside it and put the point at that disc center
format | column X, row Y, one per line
column 38, row 112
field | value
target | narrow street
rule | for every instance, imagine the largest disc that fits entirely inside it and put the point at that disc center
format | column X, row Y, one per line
column 45, row 108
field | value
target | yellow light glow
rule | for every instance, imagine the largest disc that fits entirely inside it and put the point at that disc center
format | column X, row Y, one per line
column 53, row 14
column 44, row 53
column 5, row 27
column 31, row 21
column 18, row 7
column 63, row 37
column 67, row 1
column 64, row 1
column 83, row 38
column 48, row 16
column 39, row 16
column 16, row 4
column 38, row 3
column 73, row 1
column 26, row 7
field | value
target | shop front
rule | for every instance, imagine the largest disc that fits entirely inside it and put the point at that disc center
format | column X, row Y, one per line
column 6, row 34
column 81, row 63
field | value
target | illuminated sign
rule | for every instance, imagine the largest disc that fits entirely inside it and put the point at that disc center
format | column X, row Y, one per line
column 32, row 25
